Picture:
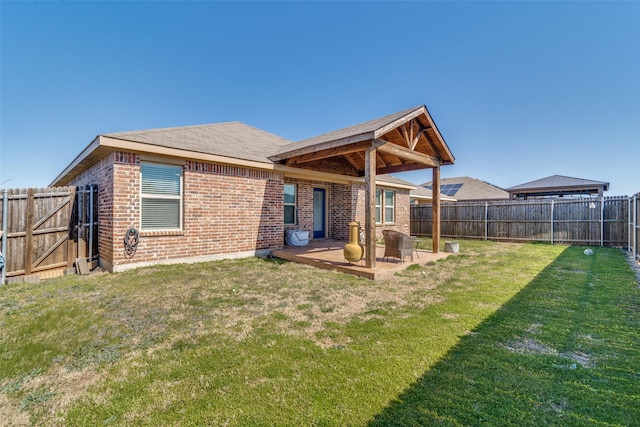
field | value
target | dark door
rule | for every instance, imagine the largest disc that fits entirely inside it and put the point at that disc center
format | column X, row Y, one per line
column 319, row 213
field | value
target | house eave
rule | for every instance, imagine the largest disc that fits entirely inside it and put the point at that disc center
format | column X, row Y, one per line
column 102, row 145
column 77, row 165
column 282, row 154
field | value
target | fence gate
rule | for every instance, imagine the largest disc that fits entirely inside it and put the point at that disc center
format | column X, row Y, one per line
column 46, row 230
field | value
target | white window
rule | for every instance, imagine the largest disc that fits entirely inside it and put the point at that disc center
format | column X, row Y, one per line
column 161, row 196
column 289, row 204
column 389, row 206
column 385, row 206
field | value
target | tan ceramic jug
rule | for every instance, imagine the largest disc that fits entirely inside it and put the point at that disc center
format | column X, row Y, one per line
column 353, row 251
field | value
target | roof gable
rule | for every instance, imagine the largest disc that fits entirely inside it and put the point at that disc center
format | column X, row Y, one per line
column 407, row 140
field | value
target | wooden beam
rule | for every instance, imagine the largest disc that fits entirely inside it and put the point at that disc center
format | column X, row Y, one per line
column 397, row 123
column 405, row 135
column 407, row 154
column 380, row 161
column 429, row 141
column 352, row 162
column 329, row 152
column 331, row 167
column 411, row 137
column 416, row 138
column 370, row 206
column 400, row 168
column 435, row 210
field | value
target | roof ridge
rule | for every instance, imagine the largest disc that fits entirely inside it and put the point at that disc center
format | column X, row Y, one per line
column 165, row 129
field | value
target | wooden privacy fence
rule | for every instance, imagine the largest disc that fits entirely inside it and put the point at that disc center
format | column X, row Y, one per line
column 603, row 222
column 46, row 230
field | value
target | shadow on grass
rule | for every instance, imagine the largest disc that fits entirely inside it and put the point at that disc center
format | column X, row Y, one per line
column 561, row 352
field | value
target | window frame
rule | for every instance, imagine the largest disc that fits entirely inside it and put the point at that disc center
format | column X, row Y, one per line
column 158, row 196
column 392, row 207
column 381, row 206
column 294, row 205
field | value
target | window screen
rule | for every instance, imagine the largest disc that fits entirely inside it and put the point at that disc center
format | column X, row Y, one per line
column 161, row 196
column 289, row 204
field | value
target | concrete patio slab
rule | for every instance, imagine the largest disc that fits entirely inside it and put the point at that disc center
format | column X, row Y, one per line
column 328, row 255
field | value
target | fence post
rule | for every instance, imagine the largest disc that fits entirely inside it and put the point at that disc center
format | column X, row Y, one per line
column 5, row 206
column 71, row 246
column 552, row 223
column 91, row 223
column 636, row 227
column 486, row 220
column 602, row 221
column 28, row 239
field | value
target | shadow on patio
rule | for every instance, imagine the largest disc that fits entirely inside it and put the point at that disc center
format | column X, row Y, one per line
column 328, row 254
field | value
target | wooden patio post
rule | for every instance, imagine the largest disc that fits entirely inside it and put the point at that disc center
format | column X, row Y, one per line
column 370, row 206
column 435, row 212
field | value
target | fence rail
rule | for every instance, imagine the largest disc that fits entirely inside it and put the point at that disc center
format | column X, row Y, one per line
column 604, row 222
column 45, row 230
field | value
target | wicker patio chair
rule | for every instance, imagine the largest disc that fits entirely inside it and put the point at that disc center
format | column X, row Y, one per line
column 398, row 245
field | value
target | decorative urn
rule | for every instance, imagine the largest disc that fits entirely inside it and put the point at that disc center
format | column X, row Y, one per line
column 353, row 250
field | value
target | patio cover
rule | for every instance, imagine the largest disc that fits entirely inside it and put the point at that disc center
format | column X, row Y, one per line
column 405, row 141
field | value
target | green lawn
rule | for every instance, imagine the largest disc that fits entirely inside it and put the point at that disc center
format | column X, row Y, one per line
column 500, row 334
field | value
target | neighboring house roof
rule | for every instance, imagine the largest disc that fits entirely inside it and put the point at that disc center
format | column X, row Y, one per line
column 233, row 139
column 466, row 188
column 423, row 194
column 390, row 179
column 559, row 185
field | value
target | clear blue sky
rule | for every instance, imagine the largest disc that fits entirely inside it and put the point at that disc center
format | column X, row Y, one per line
column 519, row 90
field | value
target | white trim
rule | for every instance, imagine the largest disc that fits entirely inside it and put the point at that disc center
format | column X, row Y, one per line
column 79, row 158
column 176, row 152
column 147, row 150
column 382, row 206
column 180, row 198
column 294, row 204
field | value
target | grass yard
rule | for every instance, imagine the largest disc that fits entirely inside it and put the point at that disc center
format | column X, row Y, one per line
column 501, row 334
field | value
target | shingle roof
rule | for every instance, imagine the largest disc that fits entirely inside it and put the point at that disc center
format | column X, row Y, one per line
column 472, row 189
column 421, row 192
column 349, row 132
column 232, row 139
column 558, row 182
column 393, row 180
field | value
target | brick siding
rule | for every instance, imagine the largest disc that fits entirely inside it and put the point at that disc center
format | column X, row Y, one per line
column 226, row 210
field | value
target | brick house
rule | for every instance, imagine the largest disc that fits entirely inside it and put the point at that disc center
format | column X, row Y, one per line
column 200, row 193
